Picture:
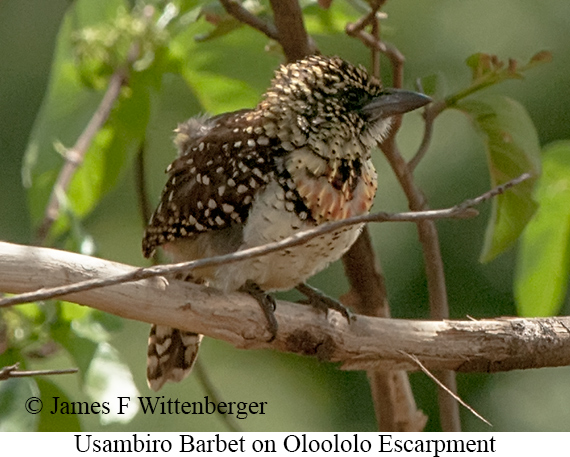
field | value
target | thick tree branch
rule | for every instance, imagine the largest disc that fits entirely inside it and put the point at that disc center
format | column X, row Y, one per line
column 394, row 403
column 427, row 231
column 485, row 346
column 293, row 37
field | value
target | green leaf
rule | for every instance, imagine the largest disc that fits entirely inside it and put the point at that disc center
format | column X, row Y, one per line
column 83, row 333
column 81, row 349
column 109, row 378
column 76, row 330
column 224, row 25
column 488, row 70
column 113, row 145
column 47, row 421
column 33, row 312
column 327, row 21
column 543, row 263
column 23, row 327
column 512, row 148
column 13, row 395
column 70, row 311
column 218, row 93
column 109, row 322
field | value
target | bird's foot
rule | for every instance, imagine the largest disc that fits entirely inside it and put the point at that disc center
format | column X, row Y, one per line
column 322, row 301
column 267, row 303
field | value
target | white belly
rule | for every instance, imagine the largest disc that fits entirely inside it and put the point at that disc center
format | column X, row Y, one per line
column 284, row 269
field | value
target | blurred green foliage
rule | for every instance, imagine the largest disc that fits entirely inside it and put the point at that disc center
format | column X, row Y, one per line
column 192, row 59
column 543, row 269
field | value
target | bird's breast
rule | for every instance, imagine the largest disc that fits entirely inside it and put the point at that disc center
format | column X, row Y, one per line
column 271, row 219
column 336, row 190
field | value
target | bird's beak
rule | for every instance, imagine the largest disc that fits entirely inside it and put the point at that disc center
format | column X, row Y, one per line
column 393, row 102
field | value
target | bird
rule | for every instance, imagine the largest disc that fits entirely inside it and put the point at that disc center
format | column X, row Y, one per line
column 301, row 158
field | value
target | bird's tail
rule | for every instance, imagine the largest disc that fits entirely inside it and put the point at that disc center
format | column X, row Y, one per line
column 171, row 355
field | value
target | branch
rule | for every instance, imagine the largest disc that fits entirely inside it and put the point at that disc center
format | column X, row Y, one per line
column 488, row 345
column 435, row 275
column 449, row 412
column 430, row 114
column 396, row 57
column 74, row 156
column 234, row 9
column 291, row 30
column 394, row 404
column 460, row 211
column 13, row 372
column 140, row 185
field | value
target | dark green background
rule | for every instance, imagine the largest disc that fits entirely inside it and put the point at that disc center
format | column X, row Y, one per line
column 303, row 394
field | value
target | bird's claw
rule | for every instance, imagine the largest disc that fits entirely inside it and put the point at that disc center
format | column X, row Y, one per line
column 267, row 304
column 322, row 301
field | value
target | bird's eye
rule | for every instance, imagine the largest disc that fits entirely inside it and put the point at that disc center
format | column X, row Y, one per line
column 353, row 100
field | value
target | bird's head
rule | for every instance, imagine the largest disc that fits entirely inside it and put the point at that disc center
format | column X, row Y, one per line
column 330, row 103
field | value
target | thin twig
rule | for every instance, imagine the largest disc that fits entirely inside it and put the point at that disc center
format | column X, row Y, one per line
column 459, row 211
column 427, row 231
column 12, row 372
column 368, row 19
column 74, row 156
column 140, row 184
column 160, row 270
column 430, row 114
column 140, row 188
column 241, row 14
column 212, row 392
column 496, row 191
column 372, row 19
column 441, row 385
column 449, row 413
column 375, row 53
column 396, row 57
